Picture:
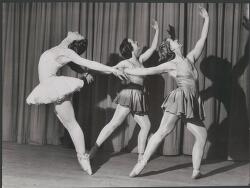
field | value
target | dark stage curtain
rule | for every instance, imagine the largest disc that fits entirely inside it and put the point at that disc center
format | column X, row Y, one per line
column 224, row 82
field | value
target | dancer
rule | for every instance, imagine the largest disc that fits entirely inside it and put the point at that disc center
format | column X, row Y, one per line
column 183, row 102
column 58, row 89
column 132, row 97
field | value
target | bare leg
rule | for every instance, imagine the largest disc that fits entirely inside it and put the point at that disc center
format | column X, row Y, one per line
column 199, row 131
column 119, row 116
column 66, row 115
column 168, row 123
column 145, row 125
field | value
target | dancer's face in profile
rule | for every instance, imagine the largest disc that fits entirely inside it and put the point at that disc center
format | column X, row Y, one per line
column 136, row 47
column 175, row 44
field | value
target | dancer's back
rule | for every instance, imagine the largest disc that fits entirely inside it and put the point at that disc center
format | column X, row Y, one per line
column 50, row 62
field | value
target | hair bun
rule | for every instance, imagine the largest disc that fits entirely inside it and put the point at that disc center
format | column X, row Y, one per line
column 79, row 46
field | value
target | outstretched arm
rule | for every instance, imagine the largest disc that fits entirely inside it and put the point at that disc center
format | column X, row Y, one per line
column 196, row 52
column 163, row 68
column 150, row 51
column 93, row 65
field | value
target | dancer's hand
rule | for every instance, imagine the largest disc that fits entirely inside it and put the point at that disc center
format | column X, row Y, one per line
column 121, row 75
column 203, row 12
column 89, row 78
column 155, row 25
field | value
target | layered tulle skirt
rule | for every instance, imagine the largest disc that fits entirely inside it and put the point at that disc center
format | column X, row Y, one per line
column 54, row 89
column 134, row 97
column 184, row 102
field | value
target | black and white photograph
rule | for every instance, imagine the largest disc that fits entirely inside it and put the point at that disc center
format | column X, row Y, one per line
column 125, row 94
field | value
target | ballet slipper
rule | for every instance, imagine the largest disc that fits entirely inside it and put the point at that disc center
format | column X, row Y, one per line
column 196, row 174
column 83, row 160
column 138, row 168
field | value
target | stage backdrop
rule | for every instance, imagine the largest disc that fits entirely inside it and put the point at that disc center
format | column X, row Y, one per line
column 31, row 28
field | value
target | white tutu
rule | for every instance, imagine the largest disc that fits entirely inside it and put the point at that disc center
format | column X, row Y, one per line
column 54, row 89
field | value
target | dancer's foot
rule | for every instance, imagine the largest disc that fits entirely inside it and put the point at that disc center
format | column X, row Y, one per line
column 83, row 160
column 138, row 168
column 196, row 174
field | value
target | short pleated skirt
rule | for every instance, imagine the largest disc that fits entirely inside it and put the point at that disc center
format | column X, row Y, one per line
column 134, row 97
column 54, row 90
column 184, row 102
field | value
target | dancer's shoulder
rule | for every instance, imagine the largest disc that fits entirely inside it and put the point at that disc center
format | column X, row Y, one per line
column 122, row 64
column 64, row 52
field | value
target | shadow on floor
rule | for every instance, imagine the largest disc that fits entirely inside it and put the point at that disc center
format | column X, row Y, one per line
column 211, row 173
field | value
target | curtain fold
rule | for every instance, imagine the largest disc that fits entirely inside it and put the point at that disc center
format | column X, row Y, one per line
column 224, row 76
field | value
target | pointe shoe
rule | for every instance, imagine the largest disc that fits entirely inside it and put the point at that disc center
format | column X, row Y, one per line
column 196, row 174
column 138, row 168
column 83, row 160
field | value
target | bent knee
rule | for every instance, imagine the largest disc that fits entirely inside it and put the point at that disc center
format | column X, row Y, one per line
column 160, row 134
column 112, row 125
column 146, row 127
column 67, row 121
column 167, row 130
column 203, row 136
column 201, row 140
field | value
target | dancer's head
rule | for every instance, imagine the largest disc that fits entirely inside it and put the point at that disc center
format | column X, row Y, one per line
column 77, row 42
column 168, row 49
column 129, row 47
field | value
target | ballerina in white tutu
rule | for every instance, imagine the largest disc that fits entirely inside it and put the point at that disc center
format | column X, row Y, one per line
column 58, row 89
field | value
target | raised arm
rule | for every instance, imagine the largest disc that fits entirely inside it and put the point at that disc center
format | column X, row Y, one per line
column 163, row 68
column 93, row 65
column 150, row 51
column 196, row 52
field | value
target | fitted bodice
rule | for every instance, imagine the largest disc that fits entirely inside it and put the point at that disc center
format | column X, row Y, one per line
column 187, row 75
column 48, row 65
column 133, row 78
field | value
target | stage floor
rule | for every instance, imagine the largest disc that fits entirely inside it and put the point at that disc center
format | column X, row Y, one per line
column 56, row 166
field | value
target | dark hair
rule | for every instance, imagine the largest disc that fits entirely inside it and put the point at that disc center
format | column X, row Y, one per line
column 165, row 52
column 126, row 49
column 79, row 46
